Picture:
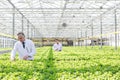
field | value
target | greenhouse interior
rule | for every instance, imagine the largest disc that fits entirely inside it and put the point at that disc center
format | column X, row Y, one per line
column 87, row 32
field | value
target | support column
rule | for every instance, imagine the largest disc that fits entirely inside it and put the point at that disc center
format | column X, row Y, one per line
column 101, row 42
column 81, row 37
column 92, row 33
column 28, row 29
column 22, row 24
column 115, row 29
column 13, row 23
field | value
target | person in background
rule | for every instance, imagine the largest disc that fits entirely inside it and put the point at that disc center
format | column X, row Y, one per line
column 57, row 46
column 24, row 47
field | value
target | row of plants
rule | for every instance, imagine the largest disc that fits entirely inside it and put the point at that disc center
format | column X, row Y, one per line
column 72, row 63
column 3, row 49
column 81, row 63
column 21, row 69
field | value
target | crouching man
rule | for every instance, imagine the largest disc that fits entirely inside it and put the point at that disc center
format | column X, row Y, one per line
column 24, row 47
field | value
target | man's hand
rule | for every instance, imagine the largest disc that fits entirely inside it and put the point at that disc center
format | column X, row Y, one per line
column 25, row 57
column 56, row 49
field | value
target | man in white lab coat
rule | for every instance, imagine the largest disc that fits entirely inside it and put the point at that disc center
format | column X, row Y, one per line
column 24, row 47
column 57, row 46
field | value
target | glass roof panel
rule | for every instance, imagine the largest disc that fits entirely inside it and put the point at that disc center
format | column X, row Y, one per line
column 59, row 17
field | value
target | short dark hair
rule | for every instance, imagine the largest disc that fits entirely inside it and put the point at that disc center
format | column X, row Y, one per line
column 56, row 40
column 21, row 34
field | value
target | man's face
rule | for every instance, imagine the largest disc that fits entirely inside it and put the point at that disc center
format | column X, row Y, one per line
column 57, row 41
column 21, row 38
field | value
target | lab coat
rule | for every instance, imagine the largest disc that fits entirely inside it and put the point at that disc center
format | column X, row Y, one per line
column 57, row 47
column 28, row 50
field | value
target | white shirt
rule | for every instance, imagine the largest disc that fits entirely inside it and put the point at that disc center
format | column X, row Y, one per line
column 57, row 47
column 28, row 50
